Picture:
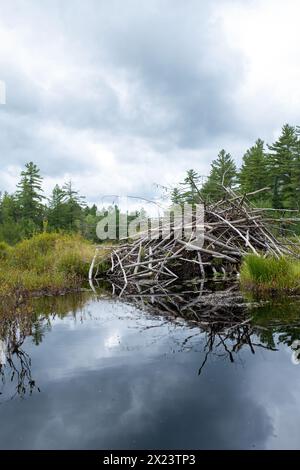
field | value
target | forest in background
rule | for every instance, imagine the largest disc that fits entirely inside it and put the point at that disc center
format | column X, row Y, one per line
column 277, row 166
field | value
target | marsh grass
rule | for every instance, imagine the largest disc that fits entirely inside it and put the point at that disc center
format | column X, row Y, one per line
column 4, row 250
column 46, row 263
column 271, row 275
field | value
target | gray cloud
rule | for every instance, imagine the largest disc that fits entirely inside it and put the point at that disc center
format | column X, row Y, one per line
column 121, row 89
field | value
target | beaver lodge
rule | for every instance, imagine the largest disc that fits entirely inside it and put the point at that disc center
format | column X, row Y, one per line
column 211, row 243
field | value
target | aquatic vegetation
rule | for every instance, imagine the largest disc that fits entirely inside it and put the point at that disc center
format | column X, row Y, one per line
column 270, row 274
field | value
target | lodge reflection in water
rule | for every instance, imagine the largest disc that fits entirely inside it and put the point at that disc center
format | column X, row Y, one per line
column 210, row 321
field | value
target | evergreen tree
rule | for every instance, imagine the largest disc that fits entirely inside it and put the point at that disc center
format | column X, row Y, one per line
column 176, row 197
column 296, row 172
column 223, row 173
column 57, row 197
column 253, row 174
column 282, row 168
column 190, row 192
column 91, row 218
column 9, row 208
column 29, row 195
column 75, row 204
column 10, row 229
column 57, row 210
column 91, row 210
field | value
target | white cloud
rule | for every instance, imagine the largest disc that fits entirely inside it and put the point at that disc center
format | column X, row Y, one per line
column 267, row 34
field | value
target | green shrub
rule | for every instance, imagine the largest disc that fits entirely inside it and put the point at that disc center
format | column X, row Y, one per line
column 28, row 253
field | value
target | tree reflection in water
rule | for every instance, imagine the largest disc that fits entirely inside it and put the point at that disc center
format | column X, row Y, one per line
column 22, row 318
column 217, row 314
column 218, row 309
column 15, row 363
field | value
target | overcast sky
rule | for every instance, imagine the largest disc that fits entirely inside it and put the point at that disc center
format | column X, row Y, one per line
column 121, row 94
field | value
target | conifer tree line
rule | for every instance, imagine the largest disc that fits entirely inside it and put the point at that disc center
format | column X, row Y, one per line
column 277, row 166
column 27, row 211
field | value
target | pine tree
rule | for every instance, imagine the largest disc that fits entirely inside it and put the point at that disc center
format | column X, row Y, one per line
column 296, row 172
column 91, row 210
column 29, row 195
column 253, row 174
column 9, row 208
column 282, row 166
column 176, row 196
column 57, row 197
column 74, row 203
column 10, row 230
column 223, row 173
column 57, row 210
column 91, row 218
column 190, row 189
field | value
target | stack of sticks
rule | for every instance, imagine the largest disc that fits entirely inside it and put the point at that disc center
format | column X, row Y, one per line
column 213, row 242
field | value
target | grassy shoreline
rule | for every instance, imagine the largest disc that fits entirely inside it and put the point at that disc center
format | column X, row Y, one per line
column 56, row 263
column 270, row 276
column 48, row 263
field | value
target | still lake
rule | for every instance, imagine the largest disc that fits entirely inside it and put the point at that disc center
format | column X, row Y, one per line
column 87, row 372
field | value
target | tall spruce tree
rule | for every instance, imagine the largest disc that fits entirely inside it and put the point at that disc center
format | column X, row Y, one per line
column 296, row 172
column 190, row 189
column 253, row 174
column 57, row 210
column 75, row 204
column 223, row 173
column 176, row 196
column 282, row 166
column 29, row 195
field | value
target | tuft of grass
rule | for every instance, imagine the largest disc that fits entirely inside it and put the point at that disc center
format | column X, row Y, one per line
column 48, row 262
column 270, row 274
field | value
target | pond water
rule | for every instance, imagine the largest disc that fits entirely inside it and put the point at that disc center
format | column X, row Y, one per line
column 87, row 372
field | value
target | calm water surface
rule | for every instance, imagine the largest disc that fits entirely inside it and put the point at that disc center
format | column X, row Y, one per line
column 79, row 372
